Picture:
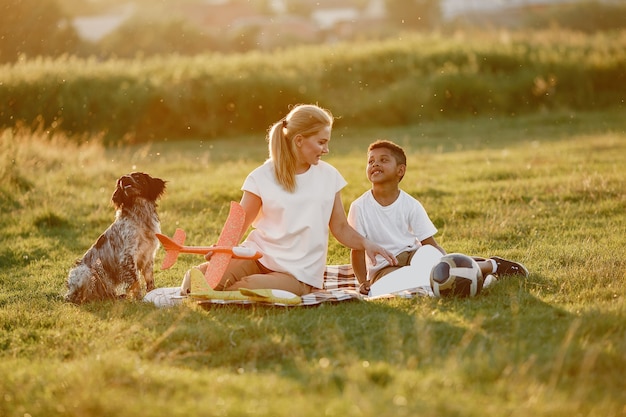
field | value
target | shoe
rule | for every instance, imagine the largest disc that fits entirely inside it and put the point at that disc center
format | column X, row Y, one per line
column 185, row 286
column 489, row 281
column 506, row 267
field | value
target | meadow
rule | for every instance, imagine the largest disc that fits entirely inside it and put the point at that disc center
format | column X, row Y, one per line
column 546, row 189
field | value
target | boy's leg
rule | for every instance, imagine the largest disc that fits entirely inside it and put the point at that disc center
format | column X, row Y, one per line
column 487, row 266
column 500, row 266
column 506, row 267
column 403, row 258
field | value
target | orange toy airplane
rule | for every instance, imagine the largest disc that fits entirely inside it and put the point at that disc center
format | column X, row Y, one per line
column 224, row 250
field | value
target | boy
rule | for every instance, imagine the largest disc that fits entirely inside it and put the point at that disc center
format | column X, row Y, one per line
column 398, row 222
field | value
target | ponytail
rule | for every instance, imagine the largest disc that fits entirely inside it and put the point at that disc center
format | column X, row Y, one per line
column 282, row 156
column 303, row 119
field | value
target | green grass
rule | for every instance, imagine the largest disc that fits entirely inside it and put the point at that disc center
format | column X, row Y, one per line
column 546, row 189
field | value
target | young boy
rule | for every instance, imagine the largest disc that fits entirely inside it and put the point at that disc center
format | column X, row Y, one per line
column 398, row 222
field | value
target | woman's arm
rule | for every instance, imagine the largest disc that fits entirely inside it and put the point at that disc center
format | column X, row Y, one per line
column 251, row 204
column 347, row 236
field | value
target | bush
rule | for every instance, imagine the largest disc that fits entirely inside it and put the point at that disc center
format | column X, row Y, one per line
column 34, row 28
column 391, row 82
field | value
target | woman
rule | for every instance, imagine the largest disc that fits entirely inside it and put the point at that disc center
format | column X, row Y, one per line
column 292, row 201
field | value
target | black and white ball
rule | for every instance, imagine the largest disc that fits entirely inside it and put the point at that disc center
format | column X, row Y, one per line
column 456, row 275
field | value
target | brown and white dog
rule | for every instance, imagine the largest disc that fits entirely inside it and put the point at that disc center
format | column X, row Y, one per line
column 126, row 249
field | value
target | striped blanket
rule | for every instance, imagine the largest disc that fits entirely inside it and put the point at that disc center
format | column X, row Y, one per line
column 340, row 284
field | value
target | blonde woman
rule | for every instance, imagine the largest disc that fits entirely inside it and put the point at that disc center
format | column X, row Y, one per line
column 292, row 201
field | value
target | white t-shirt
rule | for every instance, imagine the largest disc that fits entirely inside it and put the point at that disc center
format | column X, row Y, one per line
column 398, row 227
column 291, row 229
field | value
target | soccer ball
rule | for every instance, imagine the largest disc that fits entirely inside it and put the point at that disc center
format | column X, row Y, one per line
column 456, row 275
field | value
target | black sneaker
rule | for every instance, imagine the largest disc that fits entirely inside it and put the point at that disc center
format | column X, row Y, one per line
column 506, row 267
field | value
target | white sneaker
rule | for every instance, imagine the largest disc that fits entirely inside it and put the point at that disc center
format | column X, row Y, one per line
column 489, row 281
column 185, row 286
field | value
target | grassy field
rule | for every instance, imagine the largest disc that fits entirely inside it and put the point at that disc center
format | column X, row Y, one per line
column 546, row 189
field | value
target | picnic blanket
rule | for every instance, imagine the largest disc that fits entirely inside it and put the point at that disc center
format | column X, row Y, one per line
column 340, row 284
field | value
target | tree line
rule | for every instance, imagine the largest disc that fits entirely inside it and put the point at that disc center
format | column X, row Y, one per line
column 33, row 28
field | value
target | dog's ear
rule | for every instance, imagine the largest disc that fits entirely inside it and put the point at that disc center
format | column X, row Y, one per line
column 155, row 188
column 119, row 196
column 136, row 184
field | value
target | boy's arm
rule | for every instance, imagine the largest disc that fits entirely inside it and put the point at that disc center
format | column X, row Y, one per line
column 432, row 242
column 357, row 258
column 348, row 236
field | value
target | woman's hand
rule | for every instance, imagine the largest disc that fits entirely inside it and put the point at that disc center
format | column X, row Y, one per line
column 372, row 250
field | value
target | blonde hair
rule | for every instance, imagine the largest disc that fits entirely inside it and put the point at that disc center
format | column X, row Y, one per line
column 304, row 119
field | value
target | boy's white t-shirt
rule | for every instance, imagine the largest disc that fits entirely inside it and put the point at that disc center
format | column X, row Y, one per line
column 291, row 229
column 398, row 227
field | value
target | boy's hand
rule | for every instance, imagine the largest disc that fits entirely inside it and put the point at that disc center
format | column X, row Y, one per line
column 364, row 288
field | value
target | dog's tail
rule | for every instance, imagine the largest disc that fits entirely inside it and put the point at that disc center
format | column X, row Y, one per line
column 172, row 247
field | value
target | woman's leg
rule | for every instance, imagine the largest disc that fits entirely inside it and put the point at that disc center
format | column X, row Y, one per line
column 271, row 280
column 237, row 270
column 246, row 273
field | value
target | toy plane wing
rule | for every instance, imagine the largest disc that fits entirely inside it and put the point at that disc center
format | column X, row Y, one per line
column 231, row 232
column 223, row 251
column 174, row 246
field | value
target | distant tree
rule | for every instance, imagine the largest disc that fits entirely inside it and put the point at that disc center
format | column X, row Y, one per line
column 585, row 16
column 302, row 8
column 34, row 28
column 414, row 14
column 137, row 37
column 264, row 6
column 244, row 39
